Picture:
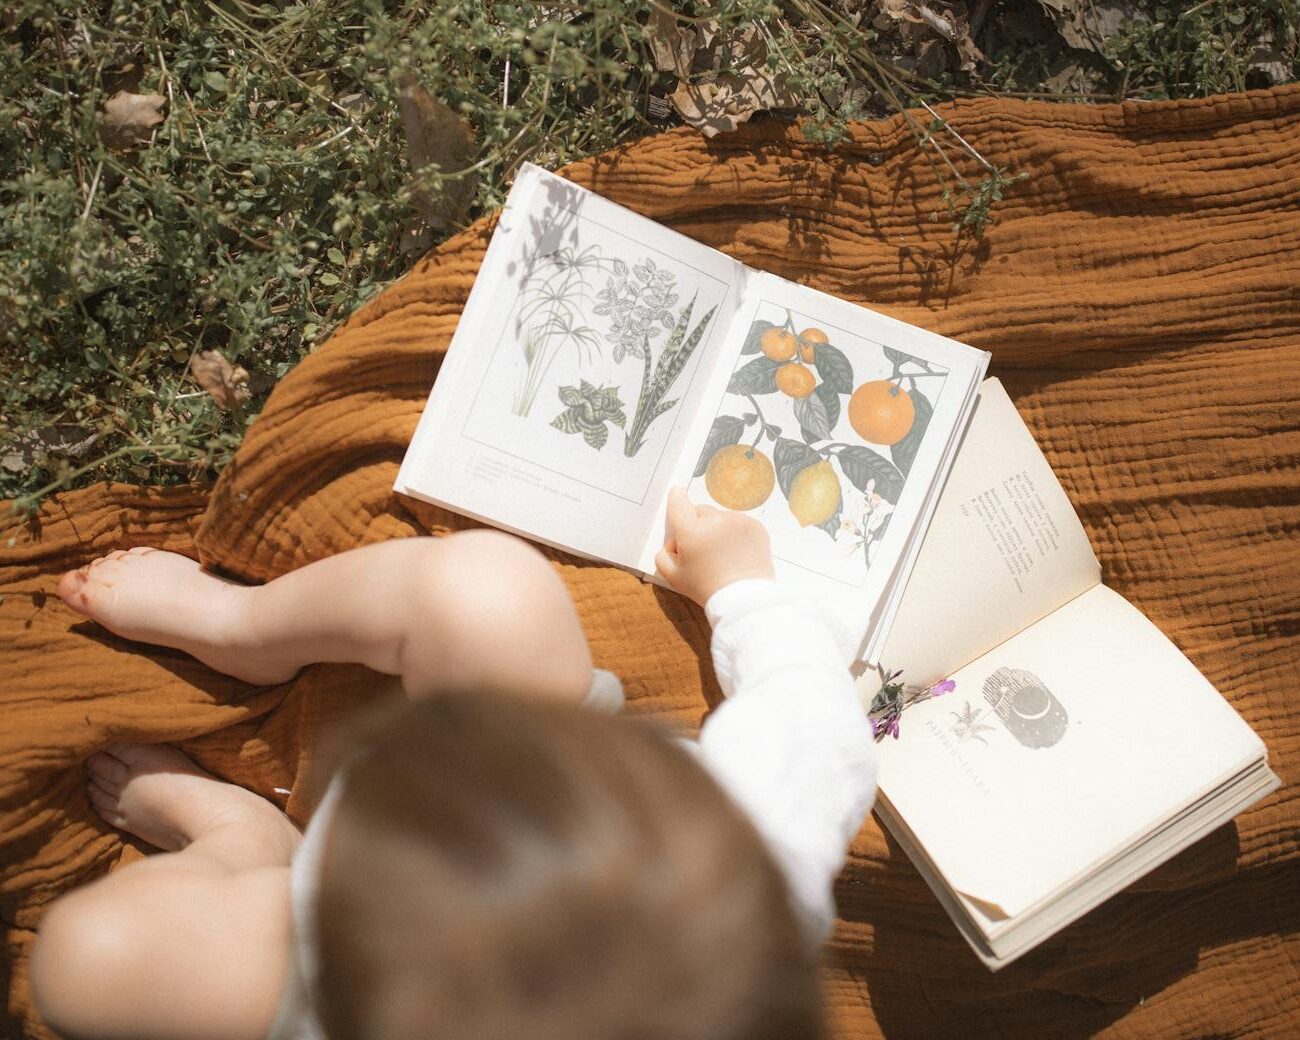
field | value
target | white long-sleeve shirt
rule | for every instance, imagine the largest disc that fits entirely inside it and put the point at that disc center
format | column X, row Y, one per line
column 791, row 744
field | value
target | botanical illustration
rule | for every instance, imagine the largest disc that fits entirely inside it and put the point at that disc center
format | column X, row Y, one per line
column 552, row 317
column 587, row 409
column 639, row 304
column 802, row 394
column 970, row 724
column 1024, row 705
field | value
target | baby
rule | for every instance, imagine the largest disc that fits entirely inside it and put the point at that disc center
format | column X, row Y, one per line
column 490, row 859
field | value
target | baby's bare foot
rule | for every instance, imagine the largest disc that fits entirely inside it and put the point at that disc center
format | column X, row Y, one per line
column 159, row 794
column 168, row 599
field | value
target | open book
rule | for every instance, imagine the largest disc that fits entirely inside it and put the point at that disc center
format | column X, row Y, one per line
column 1080, row 748
column 602, row 359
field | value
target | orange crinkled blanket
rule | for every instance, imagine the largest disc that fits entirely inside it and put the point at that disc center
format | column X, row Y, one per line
column 1140, row 292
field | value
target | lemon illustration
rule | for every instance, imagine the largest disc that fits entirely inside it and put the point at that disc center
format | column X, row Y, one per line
column 815, row 494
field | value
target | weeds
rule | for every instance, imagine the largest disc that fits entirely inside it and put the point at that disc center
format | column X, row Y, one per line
column 266, row 193
column 1207, row 48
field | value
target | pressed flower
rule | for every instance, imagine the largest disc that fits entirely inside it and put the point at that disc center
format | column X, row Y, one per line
column 891, row 701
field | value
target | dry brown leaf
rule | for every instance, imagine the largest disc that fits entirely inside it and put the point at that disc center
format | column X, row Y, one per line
column 950, row 22
column 228, row 384
column 714, row 101
column 900, row 11
column 1088, row 24
column 672, row 46
column 719, row 107
column 130, row 119
column 436, row 136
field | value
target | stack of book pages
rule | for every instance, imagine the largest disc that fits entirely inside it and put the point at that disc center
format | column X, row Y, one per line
column 1079, row 748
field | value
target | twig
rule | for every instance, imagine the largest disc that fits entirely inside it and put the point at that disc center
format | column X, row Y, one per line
column 256, row 44
column 964, row 143
column 197, row 125
column 94, row 187
column 331, row 139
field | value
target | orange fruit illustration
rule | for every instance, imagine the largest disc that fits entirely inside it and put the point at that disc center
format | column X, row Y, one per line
column 881, row 412
column 809, row 340
column 778, row 344
column 795, row 380
column 815, row 494
column 739, row 477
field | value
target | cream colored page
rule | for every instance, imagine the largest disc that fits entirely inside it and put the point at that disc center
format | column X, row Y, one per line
column 1068, row 742
column 838, row 506
column 1004, row 549
column 556, row 413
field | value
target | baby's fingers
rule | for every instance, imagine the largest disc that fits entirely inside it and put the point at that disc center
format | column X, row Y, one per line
column 668, row 566
column 680, row 515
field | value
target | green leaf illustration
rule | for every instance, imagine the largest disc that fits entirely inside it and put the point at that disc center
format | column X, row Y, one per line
column 565, row 422
column 589, row 408
column 726, row 429
column 675, row 340
column 755, row 377
column 655, row 386
column 790, row 458
column 904, row 452
column 752, row 341
column 672, row 364
column 832, row 402
column 832, row 526
column 835, row 369
column 896, row 357
column 862, row 465
column 814, row 422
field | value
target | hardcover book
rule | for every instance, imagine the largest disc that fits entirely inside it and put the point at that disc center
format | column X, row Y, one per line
column 602, row 359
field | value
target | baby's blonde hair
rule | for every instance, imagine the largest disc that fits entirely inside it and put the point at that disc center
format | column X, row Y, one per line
column 502, row 868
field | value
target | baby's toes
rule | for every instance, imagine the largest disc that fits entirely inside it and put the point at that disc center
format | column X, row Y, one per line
column 105, row 804
column 72, row 588
column 137, row 759
column 109, row 772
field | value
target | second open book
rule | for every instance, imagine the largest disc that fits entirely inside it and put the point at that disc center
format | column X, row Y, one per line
column 1080, row 748
column 602, row 359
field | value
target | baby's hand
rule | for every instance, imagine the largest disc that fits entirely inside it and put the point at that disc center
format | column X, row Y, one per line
column 706, row 549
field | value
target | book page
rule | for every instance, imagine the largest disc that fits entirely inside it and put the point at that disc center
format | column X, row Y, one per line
column 1068, row 742
column 827, row 422
column 560, row 407
column 1005, row 548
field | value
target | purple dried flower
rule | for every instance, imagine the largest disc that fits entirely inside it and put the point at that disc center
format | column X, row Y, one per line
column 888, row 705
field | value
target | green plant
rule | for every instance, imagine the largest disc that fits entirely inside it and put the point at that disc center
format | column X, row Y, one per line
column 269, row 200
column 265, row 190
column 551, row 310
column 1207, row 48
column 655, row 386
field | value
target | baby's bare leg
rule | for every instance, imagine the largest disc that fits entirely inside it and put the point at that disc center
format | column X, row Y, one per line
column 478, row 608
column 189, row 943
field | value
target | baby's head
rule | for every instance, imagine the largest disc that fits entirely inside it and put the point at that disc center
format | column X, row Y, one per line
column 500, row 868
